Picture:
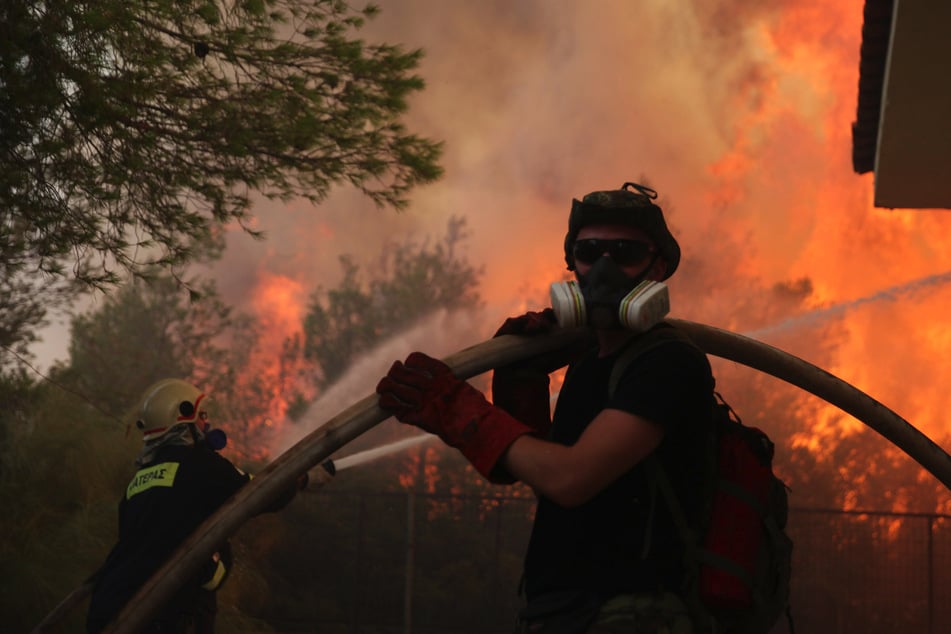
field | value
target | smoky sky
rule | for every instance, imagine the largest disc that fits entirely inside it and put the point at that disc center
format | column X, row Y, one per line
column 738, row 113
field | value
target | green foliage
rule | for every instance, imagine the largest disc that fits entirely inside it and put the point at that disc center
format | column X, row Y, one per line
column 19, row 395
column 336, row 560
column 24, row 301
column 66, row 453
column 147, row 330
column 64, row 465
column 132, row 132
column 412, row 281
column 155, row 328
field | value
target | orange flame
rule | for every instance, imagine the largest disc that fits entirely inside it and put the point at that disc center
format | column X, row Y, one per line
column 278, row 302
column 743, row 120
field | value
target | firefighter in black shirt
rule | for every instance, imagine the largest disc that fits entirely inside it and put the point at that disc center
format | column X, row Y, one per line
column 603, row 556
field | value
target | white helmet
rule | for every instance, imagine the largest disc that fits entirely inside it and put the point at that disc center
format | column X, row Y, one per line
column 168, row 403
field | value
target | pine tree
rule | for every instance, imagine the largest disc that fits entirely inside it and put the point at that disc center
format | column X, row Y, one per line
column 132, row 132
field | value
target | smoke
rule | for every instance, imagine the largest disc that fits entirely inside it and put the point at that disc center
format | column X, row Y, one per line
column 738, row 113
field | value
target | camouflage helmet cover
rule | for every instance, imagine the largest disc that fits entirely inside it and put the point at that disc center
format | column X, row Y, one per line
column 625, row 206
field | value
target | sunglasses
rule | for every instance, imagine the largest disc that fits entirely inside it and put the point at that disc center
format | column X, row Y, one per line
column 624, row 252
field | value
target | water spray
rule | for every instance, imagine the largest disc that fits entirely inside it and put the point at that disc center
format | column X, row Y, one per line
column 376, row 453
column 505, row 350
column 312, row 450
column 439, row 334
column 646, row 305
column 328, row 469
column 323, row 474
column 886, row 295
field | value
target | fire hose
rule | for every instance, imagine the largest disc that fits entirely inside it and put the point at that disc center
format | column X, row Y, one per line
column 365, row 414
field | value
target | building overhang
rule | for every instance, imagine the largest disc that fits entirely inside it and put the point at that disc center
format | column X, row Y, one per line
column 902, row 131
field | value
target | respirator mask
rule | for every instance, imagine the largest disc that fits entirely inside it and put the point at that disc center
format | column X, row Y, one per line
column 605, row 296
column 213, row 438
column 216, row 439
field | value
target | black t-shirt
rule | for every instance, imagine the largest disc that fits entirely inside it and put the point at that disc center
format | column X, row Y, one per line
column 163, row 504
column 603, row 545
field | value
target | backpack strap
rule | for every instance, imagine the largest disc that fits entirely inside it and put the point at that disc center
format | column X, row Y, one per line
column 660, row 334
column 657, row 478
column 693, row 553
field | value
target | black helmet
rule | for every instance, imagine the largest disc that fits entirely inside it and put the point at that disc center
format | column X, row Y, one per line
column 623, row 207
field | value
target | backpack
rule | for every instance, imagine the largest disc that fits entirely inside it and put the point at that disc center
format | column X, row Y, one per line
column 738, row 561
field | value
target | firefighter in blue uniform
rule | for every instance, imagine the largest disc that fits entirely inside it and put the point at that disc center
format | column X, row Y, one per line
column 181, row 480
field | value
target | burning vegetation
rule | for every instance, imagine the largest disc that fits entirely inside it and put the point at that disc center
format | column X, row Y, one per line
column 742, row 125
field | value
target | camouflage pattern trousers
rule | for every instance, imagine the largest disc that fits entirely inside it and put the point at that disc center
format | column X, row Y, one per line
column 624, row 614
column 642, row 614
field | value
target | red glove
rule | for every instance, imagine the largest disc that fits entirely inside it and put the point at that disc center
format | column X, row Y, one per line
column 531, row 323
column 423, row 392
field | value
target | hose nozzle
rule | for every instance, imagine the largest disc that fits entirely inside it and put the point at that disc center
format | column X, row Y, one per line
column 324, row 472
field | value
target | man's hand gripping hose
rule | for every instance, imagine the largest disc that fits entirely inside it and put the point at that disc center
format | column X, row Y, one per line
column 365, row 414
column 306, row 454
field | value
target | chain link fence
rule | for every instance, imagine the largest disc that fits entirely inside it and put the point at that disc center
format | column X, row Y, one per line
column 853, row 572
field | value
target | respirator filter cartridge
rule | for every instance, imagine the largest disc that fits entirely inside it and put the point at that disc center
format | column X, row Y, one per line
column 647, row 304
column 568, row 304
